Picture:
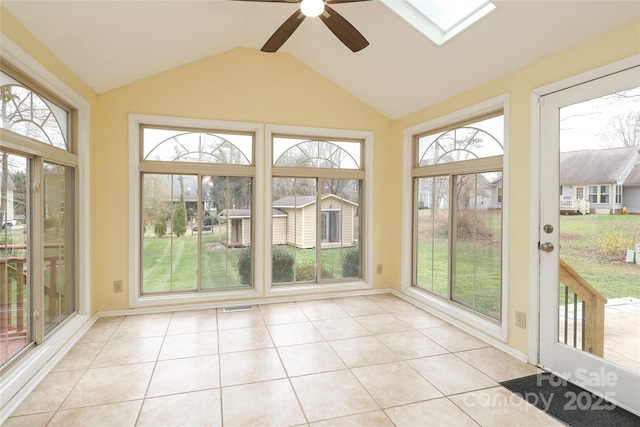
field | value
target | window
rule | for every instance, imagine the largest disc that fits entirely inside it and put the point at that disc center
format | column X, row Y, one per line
column 601, row 194
column 197, row 200
column 593, row 194
column 457, row 249
column 579, row 193
column 317, row 193
column 618, row 193
column 38, row 233
column 604, row 194
column 440, row 20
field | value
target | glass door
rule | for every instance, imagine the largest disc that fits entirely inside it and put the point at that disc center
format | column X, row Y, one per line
column 15, row 302
column 590, row 236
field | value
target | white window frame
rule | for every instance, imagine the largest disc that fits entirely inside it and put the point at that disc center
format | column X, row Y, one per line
column 450, row 310
column 136, row 299
column 16, row 383
column 366, row 281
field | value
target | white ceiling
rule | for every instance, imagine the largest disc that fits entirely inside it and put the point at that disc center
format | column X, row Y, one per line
column 112, row 43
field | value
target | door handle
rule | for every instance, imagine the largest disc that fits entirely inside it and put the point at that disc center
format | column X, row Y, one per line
column 546, row 247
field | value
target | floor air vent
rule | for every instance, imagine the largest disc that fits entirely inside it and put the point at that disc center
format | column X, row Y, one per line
column 237, row 308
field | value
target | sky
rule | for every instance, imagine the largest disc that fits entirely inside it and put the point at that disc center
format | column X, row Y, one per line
column 581, row 125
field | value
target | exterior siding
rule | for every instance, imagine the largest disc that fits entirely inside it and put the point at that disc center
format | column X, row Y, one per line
column 279, row 230
column 632, row 199
column 246, row 231
column 309, row 226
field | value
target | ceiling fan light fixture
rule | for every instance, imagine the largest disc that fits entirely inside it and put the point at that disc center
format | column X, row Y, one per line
column 312, row 8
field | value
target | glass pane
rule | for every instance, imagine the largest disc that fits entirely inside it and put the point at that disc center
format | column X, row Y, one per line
column 204, row 147
column 14, row 256
column 59, row 247
column 599, row 238
column 226, row 250
column 296, row 152
column 294, row 230
column 432, row 228
column 478, row 237
column 27, row 113
column 169, row 252
column 340, row 228
column 476, row 140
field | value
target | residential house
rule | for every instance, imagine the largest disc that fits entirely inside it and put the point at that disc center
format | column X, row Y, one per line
column 606, row 178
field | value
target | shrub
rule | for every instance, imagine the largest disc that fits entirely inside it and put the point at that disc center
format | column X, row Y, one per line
column 244, row 265
column 179, row 222
column 160, row 227
column 282, row 264
column 613, row 245
column 207, row 220
column 351, row 262
column 307, row 272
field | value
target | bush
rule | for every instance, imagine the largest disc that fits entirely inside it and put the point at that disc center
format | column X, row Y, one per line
column 179, row 222
column 307, row 272
column 613, row 245
column 283, row 262
column 160, row 227
column 351, row 262
column 244, row 265
column 207, row 220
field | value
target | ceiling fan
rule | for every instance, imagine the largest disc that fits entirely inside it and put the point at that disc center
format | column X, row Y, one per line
column 338, row 25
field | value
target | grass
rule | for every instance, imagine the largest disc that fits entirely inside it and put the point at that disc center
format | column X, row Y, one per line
column 477, row 263
column 171, row 263
column 595, row 246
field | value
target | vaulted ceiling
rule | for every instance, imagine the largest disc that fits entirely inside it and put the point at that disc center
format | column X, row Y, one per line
column 112, row 43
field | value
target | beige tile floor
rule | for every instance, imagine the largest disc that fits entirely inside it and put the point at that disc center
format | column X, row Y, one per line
column 370, row 361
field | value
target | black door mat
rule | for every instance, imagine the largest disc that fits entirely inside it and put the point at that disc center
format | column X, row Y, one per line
column 569, row 403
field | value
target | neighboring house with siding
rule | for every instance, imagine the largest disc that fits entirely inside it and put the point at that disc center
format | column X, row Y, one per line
column 338, row 220
column 608, row 179
column 294, row 222
column 238, row 222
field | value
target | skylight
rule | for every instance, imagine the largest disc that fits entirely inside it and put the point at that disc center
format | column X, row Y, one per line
column 440, row 20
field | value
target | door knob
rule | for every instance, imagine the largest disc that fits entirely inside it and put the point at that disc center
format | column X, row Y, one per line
column 546, row 247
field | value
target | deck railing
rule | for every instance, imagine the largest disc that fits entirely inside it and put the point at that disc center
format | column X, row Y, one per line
column 13, row 289
column 585, row 306
column 576, row 205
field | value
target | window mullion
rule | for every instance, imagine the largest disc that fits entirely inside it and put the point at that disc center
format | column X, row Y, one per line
column 35, row 243
column 453, row 216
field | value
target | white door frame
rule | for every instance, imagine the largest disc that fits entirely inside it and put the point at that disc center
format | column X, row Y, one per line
column 535, row 212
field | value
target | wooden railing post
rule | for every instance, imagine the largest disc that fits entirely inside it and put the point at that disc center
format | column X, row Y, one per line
column 594, row 304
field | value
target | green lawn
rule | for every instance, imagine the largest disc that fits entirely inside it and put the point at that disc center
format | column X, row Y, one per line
column 595, row 246
column 170, row 263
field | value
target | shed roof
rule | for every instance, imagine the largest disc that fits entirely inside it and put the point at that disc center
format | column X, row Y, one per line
column 296, row 202
column 246, row 213
column 594, row 166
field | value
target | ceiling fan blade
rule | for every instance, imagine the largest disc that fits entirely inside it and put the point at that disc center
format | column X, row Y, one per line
column 279, row 1
column 343, row 29
column 332, row 1
column 284, row 32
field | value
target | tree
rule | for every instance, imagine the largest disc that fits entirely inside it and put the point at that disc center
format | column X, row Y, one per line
column 160, row 227
column 623, row 130
column 179, row 218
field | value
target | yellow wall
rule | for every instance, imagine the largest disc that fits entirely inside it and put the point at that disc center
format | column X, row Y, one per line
column 611, row 47
column 239, row 85
column 246, row 85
